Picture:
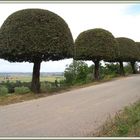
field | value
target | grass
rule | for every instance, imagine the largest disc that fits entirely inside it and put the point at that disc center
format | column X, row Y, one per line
column 14, row 98
column 124, row 124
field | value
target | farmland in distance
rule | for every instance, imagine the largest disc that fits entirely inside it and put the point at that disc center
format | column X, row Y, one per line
column 27, row 77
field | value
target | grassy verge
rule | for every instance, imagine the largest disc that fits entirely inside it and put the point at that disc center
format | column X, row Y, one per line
column 14, row 98
column 124, row 124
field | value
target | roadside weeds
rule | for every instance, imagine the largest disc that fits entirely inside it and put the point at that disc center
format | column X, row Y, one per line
column 126, row 123
column 14, row 98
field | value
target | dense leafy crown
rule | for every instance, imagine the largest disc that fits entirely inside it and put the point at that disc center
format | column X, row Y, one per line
column 138, row 46
column 35, row 35
column 95, row 44
column 127, row 49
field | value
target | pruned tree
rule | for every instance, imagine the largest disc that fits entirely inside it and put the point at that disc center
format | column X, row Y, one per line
column 138, row 45
column 35, row 35
column 128, row 52
column 95, row 45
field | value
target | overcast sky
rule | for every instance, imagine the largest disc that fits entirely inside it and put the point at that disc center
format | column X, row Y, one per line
column 123, row 20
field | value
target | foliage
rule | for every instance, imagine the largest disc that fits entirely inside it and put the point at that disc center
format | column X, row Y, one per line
column 127, row 68
column 45, row 86
column 82, row 71
column 22, row 90
column 95, row 44
column 35, row 35
column 77, row 71
column 110, row 69
column 128, row 51
column 91, row 69
column 3, row 90
column 113, row 70
column 138, row 45
column 51, row 87
column 11, row 85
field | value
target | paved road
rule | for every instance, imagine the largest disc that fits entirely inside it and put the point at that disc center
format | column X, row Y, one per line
column 74, row 113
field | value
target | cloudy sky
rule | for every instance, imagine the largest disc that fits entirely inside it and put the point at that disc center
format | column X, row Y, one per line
column 123, row 20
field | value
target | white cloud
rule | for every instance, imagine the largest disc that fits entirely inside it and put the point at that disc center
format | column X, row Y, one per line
column 79, row 17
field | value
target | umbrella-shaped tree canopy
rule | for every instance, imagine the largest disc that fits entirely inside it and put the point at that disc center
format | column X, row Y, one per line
column 95, row 44
column 128, row 51
column 35, row 35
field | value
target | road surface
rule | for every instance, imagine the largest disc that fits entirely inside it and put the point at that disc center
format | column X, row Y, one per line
column 75, row 113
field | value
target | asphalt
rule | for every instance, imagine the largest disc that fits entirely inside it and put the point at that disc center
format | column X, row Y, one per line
column 79, row 112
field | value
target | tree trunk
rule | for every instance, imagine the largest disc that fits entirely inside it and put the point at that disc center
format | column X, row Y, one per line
column 96, row 70
column 133, row 67
column 35, row 86
column 121, row 69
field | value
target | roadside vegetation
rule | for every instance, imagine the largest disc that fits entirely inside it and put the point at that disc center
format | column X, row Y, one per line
column 36, row 35
column 124, row 124
column 76, row 75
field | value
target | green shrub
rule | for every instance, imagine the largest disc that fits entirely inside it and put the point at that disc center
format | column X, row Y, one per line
column 3, row 90
column 89, row 78
column 11, row 85
column 128, row 68
column 76, row 72
column 21, row 90
column 44, row 86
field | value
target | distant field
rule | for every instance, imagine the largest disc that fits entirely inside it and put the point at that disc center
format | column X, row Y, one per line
column 28, row 78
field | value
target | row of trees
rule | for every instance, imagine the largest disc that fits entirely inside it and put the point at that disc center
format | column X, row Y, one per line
column 100, row 44
column 78, row 72
column 36, row 35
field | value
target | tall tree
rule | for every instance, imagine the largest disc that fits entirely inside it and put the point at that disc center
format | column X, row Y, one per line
column 35, row 35
column 95, row 45
column 138, row 45
column 128, row 52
